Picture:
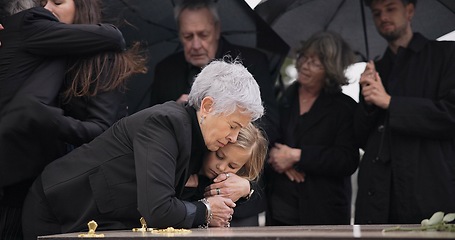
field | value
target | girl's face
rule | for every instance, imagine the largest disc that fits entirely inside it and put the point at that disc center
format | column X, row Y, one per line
column 64, row 10
column 228, row 159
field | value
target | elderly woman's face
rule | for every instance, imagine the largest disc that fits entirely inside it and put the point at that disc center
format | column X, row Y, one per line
column 311, row 72
column 219, row 130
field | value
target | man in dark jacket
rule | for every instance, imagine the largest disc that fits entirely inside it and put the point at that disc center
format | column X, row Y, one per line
column 199, row 32
column 406, row 123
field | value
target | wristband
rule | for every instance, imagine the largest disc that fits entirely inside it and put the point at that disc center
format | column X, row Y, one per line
column 251, row 192
column 208, row 213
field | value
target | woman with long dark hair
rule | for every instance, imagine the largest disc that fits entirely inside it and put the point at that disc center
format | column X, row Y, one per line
column 93, row 94
column 33, row 129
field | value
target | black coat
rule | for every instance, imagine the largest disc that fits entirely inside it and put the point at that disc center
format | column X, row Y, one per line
column 409, row 160
column 87, row 117
column 173, row 77
column 138, row 167
column 32, row 36
column 329, row 157
column 173, row 73
column 31, row 74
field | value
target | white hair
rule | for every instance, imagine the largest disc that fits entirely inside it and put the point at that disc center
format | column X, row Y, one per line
column 230, row 85
column 194, row 5
column 16, row 6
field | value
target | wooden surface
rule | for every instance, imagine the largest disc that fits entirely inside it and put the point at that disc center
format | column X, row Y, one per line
column 295, row 232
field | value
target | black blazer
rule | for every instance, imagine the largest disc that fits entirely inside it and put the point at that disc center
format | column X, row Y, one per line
column 410, row 147
column 172, row 74
column 87, row 117
column 138, row 167
column 171, row 80
column 30, row 68
column 32, row 36
column 329, row 157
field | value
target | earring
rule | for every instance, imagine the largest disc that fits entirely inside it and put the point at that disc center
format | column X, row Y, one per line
column 202, row 119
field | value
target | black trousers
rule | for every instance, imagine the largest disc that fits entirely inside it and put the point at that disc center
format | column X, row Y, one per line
column 10, row 222
column 11, row 200
column 37, row 217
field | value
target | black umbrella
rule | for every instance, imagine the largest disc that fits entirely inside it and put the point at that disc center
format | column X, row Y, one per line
column 152, row 22
column 296, row 20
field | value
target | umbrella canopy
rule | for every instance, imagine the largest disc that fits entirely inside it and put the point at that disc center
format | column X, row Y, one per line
column 152, row 23
column 296, row 20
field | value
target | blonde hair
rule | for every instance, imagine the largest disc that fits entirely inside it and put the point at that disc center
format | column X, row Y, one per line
column 251, row 138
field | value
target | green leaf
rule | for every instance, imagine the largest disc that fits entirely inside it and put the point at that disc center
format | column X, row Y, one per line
column 437, row 222
column 449, row 217
column 424, row 222
column 436, row 218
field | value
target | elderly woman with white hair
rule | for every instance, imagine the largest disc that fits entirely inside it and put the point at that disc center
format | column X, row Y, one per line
column 139, row 166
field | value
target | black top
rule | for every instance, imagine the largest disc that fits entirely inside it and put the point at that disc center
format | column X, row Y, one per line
column 30, row 67
column 407, row 171
column 329, row 155
column 138, row 167
column 173, row 77
column 33, row 35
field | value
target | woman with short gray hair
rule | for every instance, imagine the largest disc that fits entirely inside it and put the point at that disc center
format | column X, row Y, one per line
column 140, row 165
column 214, row 82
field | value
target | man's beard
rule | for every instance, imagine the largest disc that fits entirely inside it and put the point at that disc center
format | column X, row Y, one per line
column 392, row 36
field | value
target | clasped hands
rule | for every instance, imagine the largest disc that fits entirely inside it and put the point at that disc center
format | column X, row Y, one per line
column 372, row 89
column 222, row 194
column 282, row 158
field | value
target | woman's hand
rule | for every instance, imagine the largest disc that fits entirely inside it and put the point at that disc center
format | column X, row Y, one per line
column 222, row 210
column 228, row 185
column 283, row 157
column 295, row 176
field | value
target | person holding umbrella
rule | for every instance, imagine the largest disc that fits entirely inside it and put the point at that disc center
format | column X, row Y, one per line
column 199, row 32
column 405, row 122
